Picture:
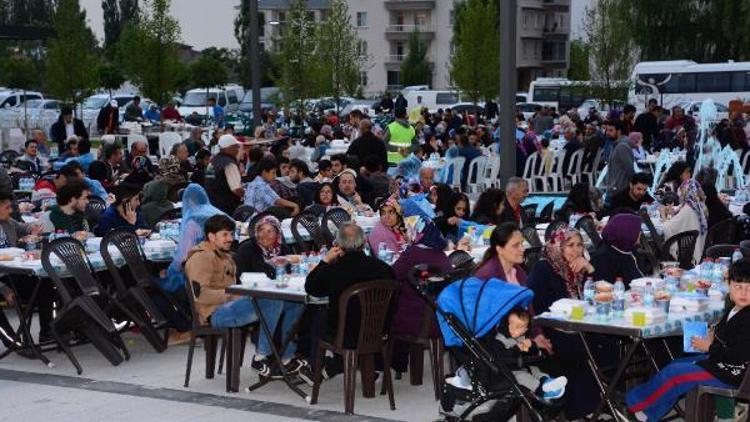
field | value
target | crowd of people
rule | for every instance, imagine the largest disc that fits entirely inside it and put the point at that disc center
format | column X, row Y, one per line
column 420, row 220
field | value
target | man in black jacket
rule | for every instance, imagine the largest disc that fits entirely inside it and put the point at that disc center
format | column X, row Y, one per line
column 66, row 126
column 648, row 124
column 368, row 144
column 345, row 265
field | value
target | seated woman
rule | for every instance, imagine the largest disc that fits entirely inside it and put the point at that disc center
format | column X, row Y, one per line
column 124, row 212
column 264, row 253
column 579, row 201
column 448, row 222
column 717, row 209
column 427, row 249
column 155, row 203
column 678, row 173
column 691, row 215
column 723, row 362
column 440, row 197
column 390, row 230
column 325, row 199
column 488, row 207
column 614, row 256
column 559, row 274
column 348, row 197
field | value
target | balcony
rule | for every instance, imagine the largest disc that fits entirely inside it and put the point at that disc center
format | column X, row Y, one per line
column 393, row 62
column 557, row 5
column 555, row 29
column 395, row 32
column 409, row 4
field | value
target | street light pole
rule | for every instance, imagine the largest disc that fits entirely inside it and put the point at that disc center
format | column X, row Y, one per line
column 507, row 101
column 255, row 61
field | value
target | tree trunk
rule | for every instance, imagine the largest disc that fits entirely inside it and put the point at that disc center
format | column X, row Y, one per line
column 25, row 116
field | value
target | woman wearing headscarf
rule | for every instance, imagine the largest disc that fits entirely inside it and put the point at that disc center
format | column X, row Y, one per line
column 691, row 215
column 155, row 203
column 263, row 253
column 169, row 176
column 427, row 249
column 560, row 274
column 614, row 257
column 390, row 230
column 717, row 209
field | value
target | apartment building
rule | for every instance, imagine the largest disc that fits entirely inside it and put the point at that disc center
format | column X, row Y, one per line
column 384, row 27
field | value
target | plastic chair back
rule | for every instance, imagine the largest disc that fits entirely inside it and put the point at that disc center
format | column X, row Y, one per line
column 243, row 213
column 73, row 256
column 166, row 141
column 129, row 247
column 337, row 217
column 374, row 298
column 310, row 222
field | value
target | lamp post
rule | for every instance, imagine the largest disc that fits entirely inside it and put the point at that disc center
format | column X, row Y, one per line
column 507, row 104
column 254, row 60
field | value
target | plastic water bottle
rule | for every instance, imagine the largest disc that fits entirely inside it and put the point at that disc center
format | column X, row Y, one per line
column 323, row 253
column 304, row 264
column 672, row 285
column 382, row 252
column 280, row 273
column 736, row 255
column 574, row 218
column 648, row 295
column 589, row 291
column 618, row 305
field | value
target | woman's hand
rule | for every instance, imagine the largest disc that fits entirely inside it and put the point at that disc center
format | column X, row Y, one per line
column 128, row 213
column 453, row 221
column 543, row 343
column 580, row 264
column 702, row 344
column 142, row 232
column 464, row 244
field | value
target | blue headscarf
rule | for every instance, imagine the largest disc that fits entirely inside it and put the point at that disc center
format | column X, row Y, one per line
column 196, row 209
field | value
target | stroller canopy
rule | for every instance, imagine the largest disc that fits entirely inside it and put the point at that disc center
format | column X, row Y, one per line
column 479, row 305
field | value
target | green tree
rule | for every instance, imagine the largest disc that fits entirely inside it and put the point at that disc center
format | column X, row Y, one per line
column 148, row 51
column 610, row 50
column 339, row 58
column 19, row 73
column 578, row 70
column 475, row 65
column 208, row 72
column 414, row 69
column 71, row 62
column 296, row 56
column 110, row 77
column 112, row 28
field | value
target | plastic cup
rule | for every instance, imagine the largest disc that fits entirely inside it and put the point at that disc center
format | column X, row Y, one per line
column 577, row 313
column 639, row 319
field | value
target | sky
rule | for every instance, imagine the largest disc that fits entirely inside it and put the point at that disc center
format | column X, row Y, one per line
column 210, row 23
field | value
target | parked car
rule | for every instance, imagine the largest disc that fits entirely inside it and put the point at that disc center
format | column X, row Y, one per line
column 228, row 97
column 433, row 100
column 365, row 106
column 463, row 108
column 14, row 98
column 326, row 104
column 268, row 97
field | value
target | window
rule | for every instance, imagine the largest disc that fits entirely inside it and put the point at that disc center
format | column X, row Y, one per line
column 678, row 83
column 362, row 48
column 554, row 50
column 10, row 101
column 222, row 100
column 713, row 82
column 446, row 98
column 232, row 97
column 546, row 93
column 363, row 78
column 394, row 77
column 740, row 81
column 420, row 20
column 361, row 19
column 452, row 18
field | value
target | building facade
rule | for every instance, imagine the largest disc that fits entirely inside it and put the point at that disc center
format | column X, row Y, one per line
column 384, row 27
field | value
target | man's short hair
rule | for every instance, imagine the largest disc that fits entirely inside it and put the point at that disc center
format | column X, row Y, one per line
column 70, row 170
column 66, row 110
column 70, row 191
column 29, row 142
column 175, row 147
column 514, row 182
column 400, row 113
column 110, row 150
column 629, row 108
column 301, row 167
column 217, row 223
column 6, row 196
column 324, row 165
column 202, row 153
column 136, row 98
column 739, row 272
column 617, row 124
column 350, row 237
column 356, row 113
column 373, row 164
column 641, row 178
column 266, row 164
column 341, row 158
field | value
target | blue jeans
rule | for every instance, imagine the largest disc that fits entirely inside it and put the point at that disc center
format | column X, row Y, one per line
column 656, row 397
column 240, row 312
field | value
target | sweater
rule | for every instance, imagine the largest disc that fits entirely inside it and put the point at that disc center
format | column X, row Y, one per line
column 620, row 166
column 610, row 263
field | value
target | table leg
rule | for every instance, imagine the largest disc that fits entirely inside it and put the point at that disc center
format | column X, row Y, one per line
column 607, row 390
column 284, row 374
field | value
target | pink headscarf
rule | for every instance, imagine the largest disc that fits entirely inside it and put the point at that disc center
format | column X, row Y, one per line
column 275, row 249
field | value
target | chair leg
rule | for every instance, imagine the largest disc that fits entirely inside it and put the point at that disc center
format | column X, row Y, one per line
column 367, row 371
column 209, row 343
column 66, row 348
column 318, row 377
column 350, row 380
column 387, row 375
column 222, row 354
column 416, row 363
column 191, row 349
column 436, row 364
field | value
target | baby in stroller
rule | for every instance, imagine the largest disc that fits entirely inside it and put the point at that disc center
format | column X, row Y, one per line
column 484, row 324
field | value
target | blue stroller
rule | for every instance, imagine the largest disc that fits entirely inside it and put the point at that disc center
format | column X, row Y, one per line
column 468, row 310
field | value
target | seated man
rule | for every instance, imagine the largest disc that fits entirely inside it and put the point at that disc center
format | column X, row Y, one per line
column 46, row 188
column 107, row 170
column 32, row 156
column 344, row 266
column 633, row 197
column 11, row 232
column 69, row 215
column 258, row 193
column 72, row 151
column 348, row 196
column 373, row 172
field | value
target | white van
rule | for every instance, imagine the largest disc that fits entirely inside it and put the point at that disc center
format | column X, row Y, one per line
column 433, row 100
column 11, row 98
column 228, row 96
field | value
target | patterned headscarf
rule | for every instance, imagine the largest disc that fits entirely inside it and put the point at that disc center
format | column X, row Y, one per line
column 692, row 195
column 275, row 249
column 392, row 202
column 553, row 253
column 169, row 169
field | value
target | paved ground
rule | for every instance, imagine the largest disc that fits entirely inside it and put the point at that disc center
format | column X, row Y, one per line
column 149, row 387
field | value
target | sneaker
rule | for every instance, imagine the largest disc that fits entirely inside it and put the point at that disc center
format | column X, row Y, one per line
column 307, row 374
column 293, row 366
column 554, row 388
column 266, row 368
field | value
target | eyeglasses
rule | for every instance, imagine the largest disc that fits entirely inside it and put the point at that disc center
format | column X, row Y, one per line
column 740, row 287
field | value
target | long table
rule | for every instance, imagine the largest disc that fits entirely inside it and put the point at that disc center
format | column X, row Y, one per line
column 621, row 328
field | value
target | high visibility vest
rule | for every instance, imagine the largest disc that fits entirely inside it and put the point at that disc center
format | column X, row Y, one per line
column 401, row 138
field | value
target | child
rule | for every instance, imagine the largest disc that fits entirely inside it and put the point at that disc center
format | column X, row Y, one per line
column 511, row 344
column 726, row 352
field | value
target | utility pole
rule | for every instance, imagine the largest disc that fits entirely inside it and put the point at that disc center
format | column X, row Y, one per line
column 255, row 62
column 507, row 103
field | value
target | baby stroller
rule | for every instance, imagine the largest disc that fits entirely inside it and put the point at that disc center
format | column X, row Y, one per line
column 469, row 309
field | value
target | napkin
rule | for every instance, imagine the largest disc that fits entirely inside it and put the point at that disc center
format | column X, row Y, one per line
column 253, row 278
column 564, row 307
column 653, row 315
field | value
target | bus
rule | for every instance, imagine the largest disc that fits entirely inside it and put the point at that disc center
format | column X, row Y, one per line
column 678, row 82
column 563, row 94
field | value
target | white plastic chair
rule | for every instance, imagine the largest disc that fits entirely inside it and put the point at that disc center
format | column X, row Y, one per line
column 476, row 171
column 529, row 170
column 590, row 174
column 491, row 172
column 556, row 174
column 453, row 167
column 574, row 167
column 166, row 141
